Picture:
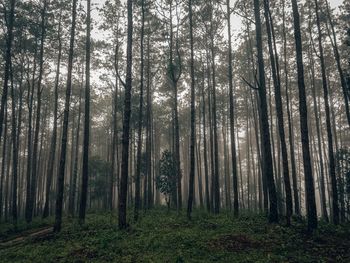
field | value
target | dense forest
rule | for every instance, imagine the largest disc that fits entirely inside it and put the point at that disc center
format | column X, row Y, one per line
column 118, row 117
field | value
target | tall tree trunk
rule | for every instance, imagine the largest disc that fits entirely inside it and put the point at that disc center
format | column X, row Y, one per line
column 279, row 109
column 62, row 163
column 290, row 121
column 126, row 124
column 3, row 166
column 199, row 168
column 226, row 166
column 139, row 133
column 232, row 117
column 193, row 116
column 34, row 177
column 206, row 170
column 85, row 173
column 29, row 141
column 8, row 55
column 149, row 197
column 14, row 152
column 73, row 186
column 331, row 158
column 211, row 137
column 216, row 174
column 309, row 180
column 265, row 143
column 319, row 143
column 115, row 153
column 52, row 154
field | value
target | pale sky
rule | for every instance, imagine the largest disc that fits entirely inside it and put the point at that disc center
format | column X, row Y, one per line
column 235, row 20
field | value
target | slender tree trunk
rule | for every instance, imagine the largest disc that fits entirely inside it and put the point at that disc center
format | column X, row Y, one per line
column 29, row 142
column 279, row 110
column 309, row 180
column 34, row 177
column 290, row 122
column 199, row 169
column 240, row 173
column 62, row 163
column 14, row 152
column 8, row 55
column 266, row 143
column 211, row 137
column 3, row 166
column 149, row 197
column 193, row 117
column 126, row 123
column 115, row 155
column 259, row 166
column 85, row 172
column 216, row 174
column 73, row 186
column 226, row 166
column 232, row 117
column 320, row 152
column 206, row 170
column 52, row 154
column 139, row 138
column 332, row 175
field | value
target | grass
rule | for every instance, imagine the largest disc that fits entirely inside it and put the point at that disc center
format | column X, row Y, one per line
column 167, row 237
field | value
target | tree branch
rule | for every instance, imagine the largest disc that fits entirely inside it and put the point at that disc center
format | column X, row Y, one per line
column 249, row 84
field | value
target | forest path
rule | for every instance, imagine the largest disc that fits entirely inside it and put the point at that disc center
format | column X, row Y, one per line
column 26, row 235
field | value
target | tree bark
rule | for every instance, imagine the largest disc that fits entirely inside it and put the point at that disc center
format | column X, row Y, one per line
column 232, row 117
column 8, row 55
column 309, row 180
column 52, row 154
column 193, row 116
column 331, row 157
column 139, row 133
column 34, row 173
column 279, row 110
column 62, row 163
column 126, row 123
column 266, row 143
column 85, row 172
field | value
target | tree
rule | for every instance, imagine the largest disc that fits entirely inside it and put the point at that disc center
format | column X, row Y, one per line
column 232, row 116
column 8, row 55
column 52, row 154
column 309, row 180
column 126, row 123
column 34, row 173
column 279, row 107
column 166, row 181
column 62, row 163
column 331, row 158
column 139, row 134
column 85, row 174
column 193, row 116
column 174, row 74
column 333, row 38
column 215, row 175
column 265, row 139
column 14, row 153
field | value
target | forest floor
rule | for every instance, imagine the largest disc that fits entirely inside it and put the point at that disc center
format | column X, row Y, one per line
column 162, row 236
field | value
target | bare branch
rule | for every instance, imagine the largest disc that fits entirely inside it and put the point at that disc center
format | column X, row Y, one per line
column 249, row 84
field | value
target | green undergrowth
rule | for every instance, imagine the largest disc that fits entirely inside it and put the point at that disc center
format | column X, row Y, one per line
column 161, row 236
column 8, row 231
